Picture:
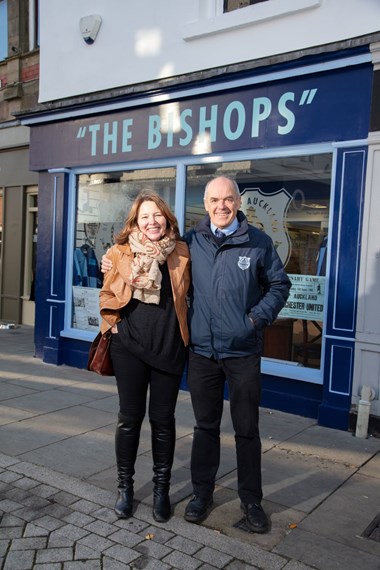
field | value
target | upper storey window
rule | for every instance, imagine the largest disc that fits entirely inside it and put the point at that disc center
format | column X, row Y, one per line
column 230, row 5
column 219, row 16
column 34, row 24
column 3, row 29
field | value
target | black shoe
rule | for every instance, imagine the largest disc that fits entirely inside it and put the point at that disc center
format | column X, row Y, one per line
column 197, row 509
column 256, row 519
column 161, row 507
column 124, row 504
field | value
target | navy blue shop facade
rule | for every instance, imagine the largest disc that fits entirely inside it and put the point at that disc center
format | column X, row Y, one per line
column 294, row 138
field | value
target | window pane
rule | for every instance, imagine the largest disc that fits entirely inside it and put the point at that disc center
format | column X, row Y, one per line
column 3, row 29
column 230, row 5
column 103, row 203
column 289, row 199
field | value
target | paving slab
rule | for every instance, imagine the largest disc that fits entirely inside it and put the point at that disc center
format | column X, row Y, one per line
column 108, row 404
column 9, row 415
column 324, row 554
column 348, row 513
column 47, row 401
column 334, row 445
column 372, row 467
column 71, row 421
column 16, row 439
column 80, row 456
column 294, row 480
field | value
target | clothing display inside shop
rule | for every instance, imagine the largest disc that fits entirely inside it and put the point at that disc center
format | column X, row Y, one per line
column 86, row 272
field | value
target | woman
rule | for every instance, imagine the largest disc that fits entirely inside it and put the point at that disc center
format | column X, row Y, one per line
column 143, row 303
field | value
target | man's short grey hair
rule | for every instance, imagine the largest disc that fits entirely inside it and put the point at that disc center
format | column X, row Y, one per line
column 233, row 184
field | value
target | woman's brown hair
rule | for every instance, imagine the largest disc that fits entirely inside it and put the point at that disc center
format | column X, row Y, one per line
column 172, row 229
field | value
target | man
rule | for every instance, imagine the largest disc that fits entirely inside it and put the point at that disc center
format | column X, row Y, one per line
column 238, row 287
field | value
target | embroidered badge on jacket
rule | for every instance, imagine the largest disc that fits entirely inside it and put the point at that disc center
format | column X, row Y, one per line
column 244, row 262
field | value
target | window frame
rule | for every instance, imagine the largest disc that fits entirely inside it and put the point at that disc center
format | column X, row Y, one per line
column 3, row 29
column 268, row 366
column 30, row 211
column 34, row 24
column 213, row 20
column 251, row 2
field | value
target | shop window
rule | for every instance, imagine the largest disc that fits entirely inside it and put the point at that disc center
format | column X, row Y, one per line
column 219, row 16
column 230, row 5
column 3, row 29
column 103, row 202
column 288, row 198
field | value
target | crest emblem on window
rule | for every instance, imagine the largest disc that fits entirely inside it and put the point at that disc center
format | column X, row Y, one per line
column 267, row 211
column 244, row 262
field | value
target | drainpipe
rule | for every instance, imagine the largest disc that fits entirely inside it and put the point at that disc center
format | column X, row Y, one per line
column 367, row 394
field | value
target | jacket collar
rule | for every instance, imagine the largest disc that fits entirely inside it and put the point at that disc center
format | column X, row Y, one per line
column 204, row 225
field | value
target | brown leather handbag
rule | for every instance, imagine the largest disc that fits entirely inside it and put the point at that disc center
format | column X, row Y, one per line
column 99, row 358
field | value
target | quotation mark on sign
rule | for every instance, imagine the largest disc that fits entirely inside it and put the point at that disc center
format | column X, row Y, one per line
column 81, row 132
column 307, row 96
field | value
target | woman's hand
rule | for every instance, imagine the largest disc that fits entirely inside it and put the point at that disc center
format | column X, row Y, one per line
column 106, row 264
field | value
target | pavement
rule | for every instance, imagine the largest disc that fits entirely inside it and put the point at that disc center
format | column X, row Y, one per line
column 58, row 480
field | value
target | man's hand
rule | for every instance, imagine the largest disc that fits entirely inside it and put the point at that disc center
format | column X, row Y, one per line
column 106, row 264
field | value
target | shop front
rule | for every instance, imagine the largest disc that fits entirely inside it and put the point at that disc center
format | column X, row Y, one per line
column 18, row 228
column 294, row 139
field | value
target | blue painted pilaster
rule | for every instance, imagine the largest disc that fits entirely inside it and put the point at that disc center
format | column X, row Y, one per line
column 51, row 266
column 343, row 287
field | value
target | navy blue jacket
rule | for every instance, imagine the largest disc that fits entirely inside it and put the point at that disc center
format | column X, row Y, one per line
column 238, row 287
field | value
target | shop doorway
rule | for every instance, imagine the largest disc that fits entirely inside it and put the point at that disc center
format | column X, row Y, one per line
column 31, row 229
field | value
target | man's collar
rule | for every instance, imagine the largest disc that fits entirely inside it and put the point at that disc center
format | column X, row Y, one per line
column 229, row 229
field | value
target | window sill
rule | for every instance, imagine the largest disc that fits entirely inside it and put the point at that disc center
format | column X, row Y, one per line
column 245, row 17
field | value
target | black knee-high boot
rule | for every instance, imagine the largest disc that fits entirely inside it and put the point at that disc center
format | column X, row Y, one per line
column 126, row 444
column 163, row 443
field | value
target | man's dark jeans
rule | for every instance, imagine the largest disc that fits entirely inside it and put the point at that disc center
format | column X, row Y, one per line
column 206, row 380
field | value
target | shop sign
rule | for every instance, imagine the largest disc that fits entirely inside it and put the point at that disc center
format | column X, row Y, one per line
column 300, row 110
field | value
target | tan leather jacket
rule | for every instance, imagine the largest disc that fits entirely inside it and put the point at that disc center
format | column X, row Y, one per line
column 116, row 292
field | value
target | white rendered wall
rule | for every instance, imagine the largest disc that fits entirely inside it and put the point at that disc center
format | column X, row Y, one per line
column 143, row 40
column 367, row 347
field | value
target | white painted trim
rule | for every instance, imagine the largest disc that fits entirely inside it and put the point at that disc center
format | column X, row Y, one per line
column 292, row 371
column 59, row 170
column 78, row 334
column 374, row 137
column 180, row 195
column 352, row 143
column 375, row 50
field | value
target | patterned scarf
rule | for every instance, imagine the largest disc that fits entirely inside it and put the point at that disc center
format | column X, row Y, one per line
column 146, row 276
